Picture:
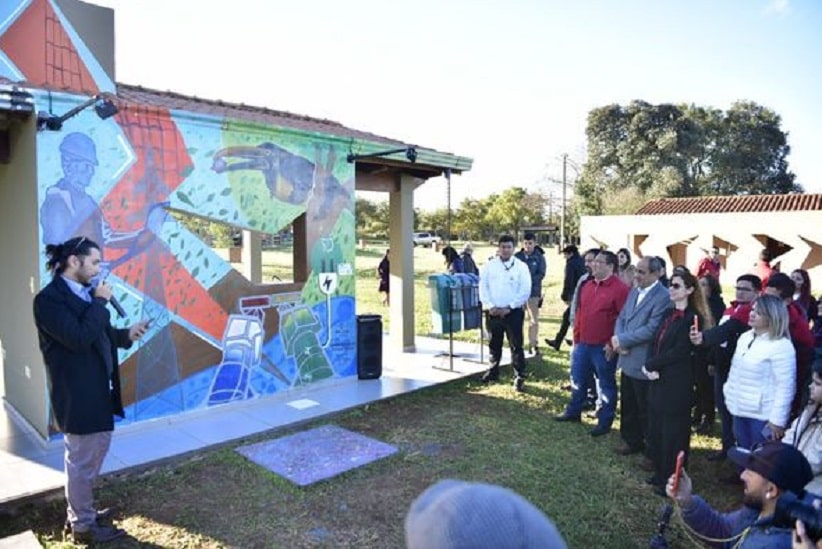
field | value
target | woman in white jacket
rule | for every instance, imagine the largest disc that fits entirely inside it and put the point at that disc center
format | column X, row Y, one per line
column 762, row 379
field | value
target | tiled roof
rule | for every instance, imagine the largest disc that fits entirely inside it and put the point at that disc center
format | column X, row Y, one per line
column 728, row 204
column 241, row 111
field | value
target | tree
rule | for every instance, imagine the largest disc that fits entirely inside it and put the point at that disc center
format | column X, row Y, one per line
column 515, row 208
column 642, row 151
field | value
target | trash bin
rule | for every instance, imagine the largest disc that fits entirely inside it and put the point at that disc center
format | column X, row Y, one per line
column 446, row 302
column 369, row 346
column 470, row 305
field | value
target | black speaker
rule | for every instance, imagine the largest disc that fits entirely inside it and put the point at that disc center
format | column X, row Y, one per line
column 369, row 346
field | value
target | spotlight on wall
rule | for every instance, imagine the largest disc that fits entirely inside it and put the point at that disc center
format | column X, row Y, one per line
column 103, row 106
column 410, row 153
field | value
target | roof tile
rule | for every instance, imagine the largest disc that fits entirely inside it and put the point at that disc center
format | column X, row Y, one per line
column 728, row 204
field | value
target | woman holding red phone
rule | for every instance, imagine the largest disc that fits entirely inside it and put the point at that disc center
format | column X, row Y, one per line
column 670, row 366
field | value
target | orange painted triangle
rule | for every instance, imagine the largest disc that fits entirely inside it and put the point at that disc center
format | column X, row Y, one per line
column 41, row 48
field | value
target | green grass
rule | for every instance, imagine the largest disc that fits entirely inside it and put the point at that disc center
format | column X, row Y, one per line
column 460, row 429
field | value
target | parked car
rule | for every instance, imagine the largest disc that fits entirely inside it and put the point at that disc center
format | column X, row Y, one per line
column 425, row 239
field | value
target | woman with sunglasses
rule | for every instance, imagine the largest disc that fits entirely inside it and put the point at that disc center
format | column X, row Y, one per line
column 762, row 379
column 805, row 433
column 670, row 367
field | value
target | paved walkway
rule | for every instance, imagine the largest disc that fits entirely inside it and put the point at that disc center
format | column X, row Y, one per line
column 31, row 467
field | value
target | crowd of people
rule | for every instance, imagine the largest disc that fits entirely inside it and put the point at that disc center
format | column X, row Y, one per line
column 683, row 358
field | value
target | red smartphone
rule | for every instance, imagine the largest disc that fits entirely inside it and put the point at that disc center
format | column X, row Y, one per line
column 680, row 457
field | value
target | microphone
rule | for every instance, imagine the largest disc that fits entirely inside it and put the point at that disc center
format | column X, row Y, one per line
column 112, row 300
column 117, row 307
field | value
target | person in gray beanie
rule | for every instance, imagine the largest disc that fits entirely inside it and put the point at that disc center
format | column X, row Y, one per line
column 454, row 514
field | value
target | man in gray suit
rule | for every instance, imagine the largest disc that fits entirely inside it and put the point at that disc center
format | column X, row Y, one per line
column 633, row 339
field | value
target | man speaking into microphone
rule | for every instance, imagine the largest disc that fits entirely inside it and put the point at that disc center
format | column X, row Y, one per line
column 79, row 347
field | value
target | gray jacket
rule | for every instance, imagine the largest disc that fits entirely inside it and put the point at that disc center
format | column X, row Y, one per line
column 636, row 327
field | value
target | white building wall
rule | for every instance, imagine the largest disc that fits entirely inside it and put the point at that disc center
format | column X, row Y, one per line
column 694, row 233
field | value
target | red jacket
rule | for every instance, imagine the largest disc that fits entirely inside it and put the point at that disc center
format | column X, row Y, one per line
column 708, row 266
column 599, row 306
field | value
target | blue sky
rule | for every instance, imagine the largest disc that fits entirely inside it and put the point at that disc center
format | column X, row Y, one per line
column 508, row 83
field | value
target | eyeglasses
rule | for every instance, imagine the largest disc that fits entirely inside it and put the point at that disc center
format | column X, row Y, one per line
column 676, row 286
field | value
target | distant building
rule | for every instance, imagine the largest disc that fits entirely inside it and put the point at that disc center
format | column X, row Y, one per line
column 681, row 229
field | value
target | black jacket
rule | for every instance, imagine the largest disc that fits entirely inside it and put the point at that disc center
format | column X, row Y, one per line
column 79, row 348
column 574, row 269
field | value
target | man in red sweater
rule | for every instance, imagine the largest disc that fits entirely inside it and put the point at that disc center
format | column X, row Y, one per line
column 600, row 301
column 710, row 264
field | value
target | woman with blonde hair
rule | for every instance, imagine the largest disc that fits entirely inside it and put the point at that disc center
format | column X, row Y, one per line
column 762, row 379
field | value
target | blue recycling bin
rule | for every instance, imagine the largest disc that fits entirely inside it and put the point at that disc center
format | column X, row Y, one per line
column 446, row 303
column 470, row 304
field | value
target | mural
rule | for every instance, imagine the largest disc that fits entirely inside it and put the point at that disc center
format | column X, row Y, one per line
column 215, row 337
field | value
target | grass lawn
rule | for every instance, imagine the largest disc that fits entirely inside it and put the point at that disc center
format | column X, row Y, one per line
column 461, row 429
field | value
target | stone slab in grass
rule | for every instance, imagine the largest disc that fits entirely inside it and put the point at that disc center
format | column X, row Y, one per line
column 316, row 454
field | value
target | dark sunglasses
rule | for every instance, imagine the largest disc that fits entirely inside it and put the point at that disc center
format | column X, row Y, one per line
column 676, row 286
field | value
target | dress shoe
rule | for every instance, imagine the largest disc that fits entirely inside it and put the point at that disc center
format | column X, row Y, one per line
column 717, row 456
column 568, row 387
column 490, row 376
column 624, row 449
column 647, row 464
column 104, row 517
column 568, row 342
column 552, row 343
column 567, row 417
column 97, row 534
column 600, row 430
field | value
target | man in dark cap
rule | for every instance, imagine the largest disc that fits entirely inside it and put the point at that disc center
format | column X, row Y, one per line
column 769, row 471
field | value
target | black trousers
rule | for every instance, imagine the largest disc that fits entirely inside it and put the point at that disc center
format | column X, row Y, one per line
column 564, row 325
column 704, row 406
column 509, row 326
column 633, row 424
column 669, row 430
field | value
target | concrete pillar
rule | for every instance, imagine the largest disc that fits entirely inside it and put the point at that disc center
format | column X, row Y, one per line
column 401, row 229
column 252, row 256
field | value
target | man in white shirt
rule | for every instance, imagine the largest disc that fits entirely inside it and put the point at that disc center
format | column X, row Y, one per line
column 505, row 286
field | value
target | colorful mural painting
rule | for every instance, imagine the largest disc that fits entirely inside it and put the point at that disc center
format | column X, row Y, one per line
column 125, row 181
column 215, row 337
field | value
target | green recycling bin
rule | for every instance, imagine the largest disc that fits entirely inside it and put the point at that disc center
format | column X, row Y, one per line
column 446, row 303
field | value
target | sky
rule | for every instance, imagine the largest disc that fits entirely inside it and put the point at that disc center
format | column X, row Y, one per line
column 506, row 83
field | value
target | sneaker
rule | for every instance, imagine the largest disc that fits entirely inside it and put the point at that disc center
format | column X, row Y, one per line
column 535, row 350
column 104, row 517
column 519, row 383
column 97, row 534
column 567, row 417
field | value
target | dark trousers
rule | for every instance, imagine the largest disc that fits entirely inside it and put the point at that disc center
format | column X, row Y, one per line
column 633, row 425
column 704, row 401
column 669, row 431
column 563, row 327
column 509, row 326
column 725, row 418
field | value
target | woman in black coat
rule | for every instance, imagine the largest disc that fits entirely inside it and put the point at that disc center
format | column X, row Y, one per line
column 670, row 367
column 704, row 404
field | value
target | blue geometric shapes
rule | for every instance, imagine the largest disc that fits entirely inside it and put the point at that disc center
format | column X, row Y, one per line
column 317, row 454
